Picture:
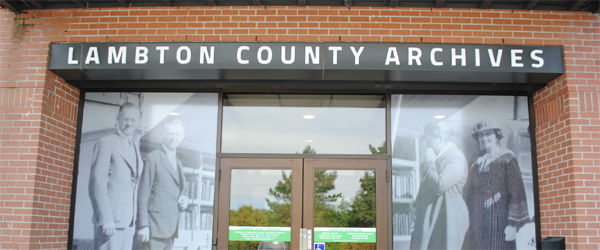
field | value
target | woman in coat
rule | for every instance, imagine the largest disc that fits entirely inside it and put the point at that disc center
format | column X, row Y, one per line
column 494, row 193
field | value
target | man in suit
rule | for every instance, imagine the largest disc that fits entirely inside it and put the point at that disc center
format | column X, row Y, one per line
column 116, row 167
column 161, row 195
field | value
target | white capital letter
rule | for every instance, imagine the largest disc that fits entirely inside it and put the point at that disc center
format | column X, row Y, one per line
column 92, row 56
column 121, row 56
column 477, row 58
column 188, row 55
column 433, row 61
column 537, row 58
column 357, row 54
column 70, row 59
column 141, row 55
column 462, row 57
column 269, row 54
column 412, row 57
column 392, row 56
column 335, row 50
column 495, row 62
column 292, row 56
column 239, row 55
column 210, row 58
column 308, row 53
column 161, row 58
column 514, row 58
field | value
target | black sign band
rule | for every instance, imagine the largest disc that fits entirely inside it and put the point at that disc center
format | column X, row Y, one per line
column 306, row 61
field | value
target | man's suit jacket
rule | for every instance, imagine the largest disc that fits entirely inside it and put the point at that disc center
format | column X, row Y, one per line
column 160, row 189
column 113, row 181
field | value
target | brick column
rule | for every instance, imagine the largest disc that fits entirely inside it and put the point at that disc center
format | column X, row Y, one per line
column 37, row 131
column 567, row 112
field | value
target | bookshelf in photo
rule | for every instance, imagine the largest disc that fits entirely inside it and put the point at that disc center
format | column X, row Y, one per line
column 196, row 222
column 405, row 186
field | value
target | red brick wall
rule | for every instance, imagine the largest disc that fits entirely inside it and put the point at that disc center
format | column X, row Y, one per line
column 37, row 131
column 36, row 153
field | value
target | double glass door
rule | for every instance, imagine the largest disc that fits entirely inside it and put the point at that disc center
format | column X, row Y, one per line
column 339, row 204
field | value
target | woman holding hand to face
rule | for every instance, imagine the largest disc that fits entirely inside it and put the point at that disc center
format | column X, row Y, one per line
column 494, row 193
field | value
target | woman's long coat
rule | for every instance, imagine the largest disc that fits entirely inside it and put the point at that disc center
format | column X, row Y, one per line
column 441, row 213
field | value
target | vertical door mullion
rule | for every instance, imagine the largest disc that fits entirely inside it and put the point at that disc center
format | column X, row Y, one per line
column 296, row 221
column 381, row 187
column 309, row 194
column 225, row 191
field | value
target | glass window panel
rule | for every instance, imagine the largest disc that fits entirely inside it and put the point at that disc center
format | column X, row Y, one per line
column 105, row 126
column 484, row 178
column 345, row 209
column 260, row 209
column 309, row 124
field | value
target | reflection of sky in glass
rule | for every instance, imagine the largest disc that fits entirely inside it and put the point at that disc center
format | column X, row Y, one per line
column 333, row 130
column 251, row 187
column 347, row 183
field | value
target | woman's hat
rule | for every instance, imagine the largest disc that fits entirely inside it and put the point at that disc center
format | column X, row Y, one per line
column 486, row 125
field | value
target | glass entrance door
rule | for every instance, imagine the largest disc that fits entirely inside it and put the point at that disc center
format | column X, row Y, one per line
column 264, row 203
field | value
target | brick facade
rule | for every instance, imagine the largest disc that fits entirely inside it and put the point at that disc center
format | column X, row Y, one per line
column 39, row 110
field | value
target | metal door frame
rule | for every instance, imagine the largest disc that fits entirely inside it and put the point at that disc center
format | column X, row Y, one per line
column 303, row 190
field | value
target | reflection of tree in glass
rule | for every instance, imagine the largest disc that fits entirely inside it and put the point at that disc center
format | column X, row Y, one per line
column 364, row 203
column 326, row 214
column 246, row 215
column 360, row 212
column 381, row 150
column 308, row 150
column 280, row 213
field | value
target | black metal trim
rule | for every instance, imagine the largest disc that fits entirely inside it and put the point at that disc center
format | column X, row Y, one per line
column 531, row 4
column 37, row 4
column 80, row 4
column 6, row 4
column 439, row 3
column 123, row 3
column 585, row 5
column 576, row 5
column 306, row 85
column 388, row 149
column 594, row 8
column 485, row 4
column 217, row 168
column 534, row 173
column 75, row 169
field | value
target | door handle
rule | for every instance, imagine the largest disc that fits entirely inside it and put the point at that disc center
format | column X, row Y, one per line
column 305, row 239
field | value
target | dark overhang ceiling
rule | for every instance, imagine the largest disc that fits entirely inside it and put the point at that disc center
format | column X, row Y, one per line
column 573, row 5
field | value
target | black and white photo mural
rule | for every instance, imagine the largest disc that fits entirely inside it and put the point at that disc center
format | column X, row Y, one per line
column 146, row 171
column 462, row 172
